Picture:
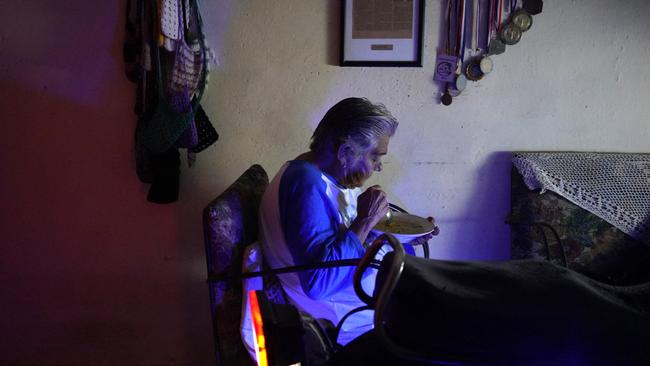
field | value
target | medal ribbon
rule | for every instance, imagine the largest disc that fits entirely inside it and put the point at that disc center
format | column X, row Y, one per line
column 500, row 12
column 448, row 44
column 490, row 21
column 460, row 29
column 477, row 18
column 494, row 18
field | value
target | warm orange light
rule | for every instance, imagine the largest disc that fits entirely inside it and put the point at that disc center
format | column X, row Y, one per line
column 258, row 330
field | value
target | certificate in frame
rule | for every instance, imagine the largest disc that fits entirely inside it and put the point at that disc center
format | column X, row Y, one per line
column 382, row 32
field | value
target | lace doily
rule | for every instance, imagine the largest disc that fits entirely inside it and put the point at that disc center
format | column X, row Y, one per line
column 613, row 186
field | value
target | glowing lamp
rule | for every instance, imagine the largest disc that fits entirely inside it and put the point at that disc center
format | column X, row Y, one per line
column 277, row 332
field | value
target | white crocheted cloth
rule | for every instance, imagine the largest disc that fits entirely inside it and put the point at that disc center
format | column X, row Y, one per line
column 613, row 186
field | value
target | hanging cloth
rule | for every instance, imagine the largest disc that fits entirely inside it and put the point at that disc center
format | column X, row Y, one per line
column 167, row 122
column 189, row 58
column 187, row 70
column 169, row 22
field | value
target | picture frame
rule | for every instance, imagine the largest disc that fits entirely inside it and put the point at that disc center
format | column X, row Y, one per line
column 382, row 33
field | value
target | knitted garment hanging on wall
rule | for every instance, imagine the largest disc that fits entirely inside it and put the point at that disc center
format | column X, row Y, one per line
column 166, row 55
column 613, row 186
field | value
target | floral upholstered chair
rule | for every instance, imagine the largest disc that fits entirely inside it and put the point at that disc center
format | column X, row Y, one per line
column 229, row 225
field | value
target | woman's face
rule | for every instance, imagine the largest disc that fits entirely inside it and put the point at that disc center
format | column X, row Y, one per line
column 366, row 163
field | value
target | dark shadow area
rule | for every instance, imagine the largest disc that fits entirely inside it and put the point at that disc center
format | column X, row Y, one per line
column 334, row 32
column 91, row 270
column 486, row 234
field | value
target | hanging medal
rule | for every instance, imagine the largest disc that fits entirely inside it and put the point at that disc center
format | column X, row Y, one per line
column 495, row 45
column 510, row 34
column 485, row 64
column 460, row 81
column 448, row 66
column 446, row 63
column 481, row 64
column 470, row 69
column 478, row 68
column 522, row 19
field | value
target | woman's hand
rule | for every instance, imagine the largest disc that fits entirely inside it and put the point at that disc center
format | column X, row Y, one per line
column 371, row 208
column 372, row 205
column 422, row 240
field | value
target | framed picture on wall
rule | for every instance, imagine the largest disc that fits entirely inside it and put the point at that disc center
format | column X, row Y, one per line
column 382, row 32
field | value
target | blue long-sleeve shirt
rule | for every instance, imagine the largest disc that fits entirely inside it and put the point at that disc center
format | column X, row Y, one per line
column 304, row 218
column 315, row 212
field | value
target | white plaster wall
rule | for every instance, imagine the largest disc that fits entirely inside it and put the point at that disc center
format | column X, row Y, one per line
column 578, row 80
column 92, row 273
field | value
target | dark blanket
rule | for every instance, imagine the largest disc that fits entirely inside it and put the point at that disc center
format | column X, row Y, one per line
column 516, row 312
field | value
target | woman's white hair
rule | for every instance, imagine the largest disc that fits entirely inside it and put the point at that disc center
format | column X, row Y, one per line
column 354, row 120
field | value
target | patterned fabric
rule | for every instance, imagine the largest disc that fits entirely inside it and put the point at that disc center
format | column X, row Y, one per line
column 613, row 186
column 187, row 70
column 593, row 247
column 229, row 224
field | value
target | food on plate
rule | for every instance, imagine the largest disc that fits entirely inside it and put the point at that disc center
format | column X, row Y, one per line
column 397, row 226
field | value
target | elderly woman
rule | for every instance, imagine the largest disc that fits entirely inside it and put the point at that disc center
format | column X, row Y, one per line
column 313, row 210
column 503, row 312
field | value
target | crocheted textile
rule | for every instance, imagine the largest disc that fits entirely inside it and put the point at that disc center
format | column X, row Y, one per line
column 592, row 246
column 613, row 186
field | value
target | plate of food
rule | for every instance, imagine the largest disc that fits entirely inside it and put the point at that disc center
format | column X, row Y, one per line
column 404, row 227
